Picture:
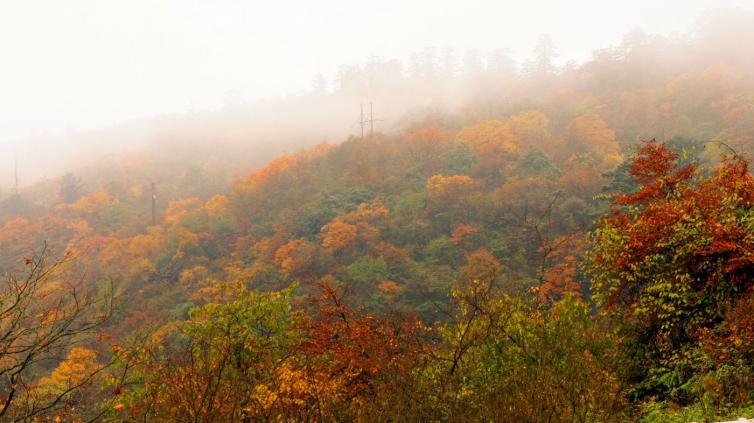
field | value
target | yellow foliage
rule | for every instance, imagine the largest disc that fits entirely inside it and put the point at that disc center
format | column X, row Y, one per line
column 80, row 226
column 179, row 208
column 264, row 396
column 113, row 251
column 142, row 266
column 76, row 368
column 16, row 225
column 193, row 275
column 277, row 166
column 490, row 137
column 449, row 186
column 186, row 241
column 216, row 205
column 531, row 129
column 90, row 203
column 425, row 138
column 365, row 212
column 50, row 316
column 136, row 191
column 143, row 245
column 212, row 292
column 592, row 131
column 316, row 151
column 293, row 384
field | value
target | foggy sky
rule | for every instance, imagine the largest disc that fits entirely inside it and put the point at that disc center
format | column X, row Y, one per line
column 85, row 64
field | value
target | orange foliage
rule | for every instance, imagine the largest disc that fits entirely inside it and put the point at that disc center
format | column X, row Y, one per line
column 280, row 166
column 582, row 178
column 449, row 187
column 178, row 209
column 90, row 203
column 559, row 278
column 80, row 226
column 490, row 137
column 346, row 229
column 425, row 138
column 266, row 247
column 76, row 368
column 186, row 241
column 295, row 257
column 216, row 205
column 277, row 166
column 22, row 236
column 366, row 212
column 531, row 128
column 481, row 267
column 389, row 287
column 337, row 235
column 356, row 351
column 318, row 150
column 733, row 340
column 149, row 244
column 461, row 232
column 590, row 131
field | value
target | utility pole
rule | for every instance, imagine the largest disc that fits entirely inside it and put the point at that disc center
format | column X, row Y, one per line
column 371, row 121
column 154, row 202
column 361, row 121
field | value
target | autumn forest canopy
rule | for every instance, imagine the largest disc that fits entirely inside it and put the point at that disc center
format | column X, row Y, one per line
column 515, row 242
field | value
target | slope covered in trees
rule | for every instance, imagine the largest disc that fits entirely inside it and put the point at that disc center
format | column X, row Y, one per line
column 531, row 258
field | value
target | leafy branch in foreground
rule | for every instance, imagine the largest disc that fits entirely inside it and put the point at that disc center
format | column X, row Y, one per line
column 45, row 311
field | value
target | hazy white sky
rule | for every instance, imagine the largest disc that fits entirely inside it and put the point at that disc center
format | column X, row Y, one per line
column 91, row 63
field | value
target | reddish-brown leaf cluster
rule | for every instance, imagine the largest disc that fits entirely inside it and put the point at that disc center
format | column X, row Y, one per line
column 654, row 168
column 359, row 350
column 670, row 195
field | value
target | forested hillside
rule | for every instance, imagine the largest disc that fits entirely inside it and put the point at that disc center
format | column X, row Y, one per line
column 562, row 244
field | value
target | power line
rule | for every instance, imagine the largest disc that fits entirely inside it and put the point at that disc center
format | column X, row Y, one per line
column 371, row 120
column 362, row 121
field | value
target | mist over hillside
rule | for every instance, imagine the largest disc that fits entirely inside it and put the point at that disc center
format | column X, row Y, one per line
column 456, row 237
column 472, row 83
